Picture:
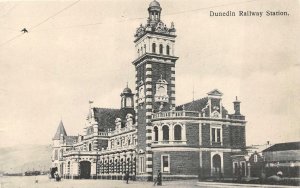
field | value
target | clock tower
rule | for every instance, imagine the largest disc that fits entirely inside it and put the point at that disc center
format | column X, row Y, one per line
column 155, row 79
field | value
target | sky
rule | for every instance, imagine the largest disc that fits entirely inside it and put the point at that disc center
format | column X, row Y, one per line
column 78, row 51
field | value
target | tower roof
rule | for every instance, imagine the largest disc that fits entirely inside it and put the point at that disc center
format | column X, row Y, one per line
column 127, row 90
column 154, row 3
column 60, row 131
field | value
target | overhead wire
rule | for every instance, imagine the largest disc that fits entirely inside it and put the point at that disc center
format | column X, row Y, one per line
column 120, row 21
column 40, row 23
column 57, row 13
column 141, row 18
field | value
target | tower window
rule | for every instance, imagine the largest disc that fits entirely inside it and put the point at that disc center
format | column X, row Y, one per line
column 90, row 147
column 168, row 50
column 145, row 48
column 142, row 51
column 138, row 52
column 153, row 48
column 161, row 48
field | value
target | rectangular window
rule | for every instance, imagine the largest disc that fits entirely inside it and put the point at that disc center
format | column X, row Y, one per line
column 213, row 133
column 216, row 135
column 165, row 162
column 142, row 164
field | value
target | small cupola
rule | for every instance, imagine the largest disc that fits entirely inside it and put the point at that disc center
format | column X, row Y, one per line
column 154, row 12
column 127, row 98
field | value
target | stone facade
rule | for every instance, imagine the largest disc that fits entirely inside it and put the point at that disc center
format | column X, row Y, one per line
column 150, row 133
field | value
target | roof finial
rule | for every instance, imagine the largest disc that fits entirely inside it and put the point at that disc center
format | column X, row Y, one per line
column 193, row 92
column 161, row 76
column 127, row 84
column 236, row 98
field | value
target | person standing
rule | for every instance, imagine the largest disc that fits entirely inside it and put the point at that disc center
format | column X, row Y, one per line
column 127, row 177
column 159, row 178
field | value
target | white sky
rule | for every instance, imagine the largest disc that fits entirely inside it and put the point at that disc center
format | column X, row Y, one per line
column 54, row 70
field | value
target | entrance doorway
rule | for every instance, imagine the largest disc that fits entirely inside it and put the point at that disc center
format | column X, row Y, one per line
column 85, row 170
column 216, row 171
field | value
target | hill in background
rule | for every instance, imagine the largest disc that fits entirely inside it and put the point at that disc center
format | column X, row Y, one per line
column 26, row 157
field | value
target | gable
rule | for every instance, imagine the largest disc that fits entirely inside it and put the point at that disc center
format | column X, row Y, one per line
column 215, row 92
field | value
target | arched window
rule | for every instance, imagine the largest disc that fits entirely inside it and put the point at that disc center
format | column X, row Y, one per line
column 168, row 50
column 138, row 52
column 90, row 147
column 145, row 47
column 165, row 129
column 177, row 132
column 155, row 134
column 142, row 51
column 153, row 48
column 161, row 48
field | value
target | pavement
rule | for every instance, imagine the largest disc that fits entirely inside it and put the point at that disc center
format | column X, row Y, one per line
column 45, row 182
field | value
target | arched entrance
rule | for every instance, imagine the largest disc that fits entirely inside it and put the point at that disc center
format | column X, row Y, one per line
column 85, row 169
column 216, row 165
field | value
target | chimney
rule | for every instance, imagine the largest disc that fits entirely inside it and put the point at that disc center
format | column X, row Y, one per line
column 237, row 106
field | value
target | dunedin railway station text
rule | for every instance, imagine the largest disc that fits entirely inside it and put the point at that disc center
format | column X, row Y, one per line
column 248, row 13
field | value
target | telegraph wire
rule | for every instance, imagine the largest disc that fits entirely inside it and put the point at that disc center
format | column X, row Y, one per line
column 140, row 18
column 57, row 13
column 120, row 21
column 37, row 25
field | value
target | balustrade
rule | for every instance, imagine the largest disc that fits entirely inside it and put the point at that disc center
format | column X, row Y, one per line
column 168, row 114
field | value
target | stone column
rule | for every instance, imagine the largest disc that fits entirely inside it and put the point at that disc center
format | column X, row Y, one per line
column 171, row 133
column 160, row 134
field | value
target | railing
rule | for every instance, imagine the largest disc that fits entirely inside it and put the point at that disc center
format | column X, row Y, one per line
column 168, row 114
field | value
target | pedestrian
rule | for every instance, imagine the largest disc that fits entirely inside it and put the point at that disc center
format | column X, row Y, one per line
column 127, row 177
column 159, row 178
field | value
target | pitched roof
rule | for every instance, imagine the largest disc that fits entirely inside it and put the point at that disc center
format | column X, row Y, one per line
column 284, row 147
column 71, row 139
column 196, row 105
column 60, row 131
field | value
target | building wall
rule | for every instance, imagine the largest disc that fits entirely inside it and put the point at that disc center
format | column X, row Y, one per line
column 182, row 163
column 192, row 134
